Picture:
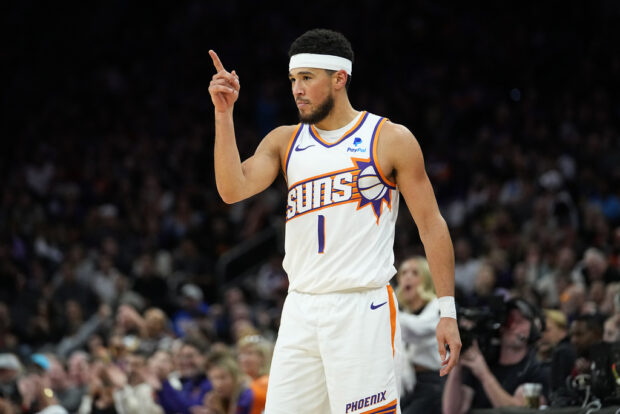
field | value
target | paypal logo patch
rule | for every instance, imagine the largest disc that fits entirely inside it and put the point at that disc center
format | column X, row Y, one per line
column 357, row 141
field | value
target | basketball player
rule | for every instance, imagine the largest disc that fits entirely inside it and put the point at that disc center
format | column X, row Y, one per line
column 339, row 338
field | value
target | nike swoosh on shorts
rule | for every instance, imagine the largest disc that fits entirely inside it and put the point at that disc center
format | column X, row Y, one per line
column 373, row 306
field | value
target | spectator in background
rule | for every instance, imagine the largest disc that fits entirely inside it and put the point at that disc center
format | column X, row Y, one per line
column 105, row 281
column 230, row 393
column 179, row 395
column 8, row 340
column 149, row 332
column 596, row 269
column 100, row 399
column 423, row 386
column 68, row 395
column 193, row 308
column 555, row 350
column 156, row 333
column 465, row 267
column 553, row 283
column 78, row 369
column 148, row 283
column 69, row 287
column 133, row 387
column 474, row 383
column 484, row 286
column 611, row 303
column 585, row 331
column 573, row 300
column 37, row 396
column 254, row 357
column 161, row 367
column 10, row 369
column 611, row 329
column 97, row 322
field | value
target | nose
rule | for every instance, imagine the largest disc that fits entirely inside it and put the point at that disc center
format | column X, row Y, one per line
column 297, row 89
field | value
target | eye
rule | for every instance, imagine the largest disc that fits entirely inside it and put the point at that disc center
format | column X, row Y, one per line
column 306, row 77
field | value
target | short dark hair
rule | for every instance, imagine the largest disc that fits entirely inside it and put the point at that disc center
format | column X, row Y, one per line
column 323, row 42
column 593, row 322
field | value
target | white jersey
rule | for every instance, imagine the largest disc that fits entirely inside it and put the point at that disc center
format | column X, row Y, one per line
column 341, row 210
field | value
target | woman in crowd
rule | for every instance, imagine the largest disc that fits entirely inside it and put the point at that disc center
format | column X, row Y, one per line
column 254, row 356
column 418, row 319
column 230, row 394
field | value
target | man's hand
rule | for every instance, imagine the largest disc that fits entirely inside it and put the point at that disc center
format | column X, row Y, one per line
column 224, row 87
column 474, row 360
column 448, row 334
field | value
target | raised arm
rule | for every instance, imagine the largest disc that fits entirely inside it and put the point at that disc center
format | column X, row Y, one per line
column 400, row 154
column 235, row 180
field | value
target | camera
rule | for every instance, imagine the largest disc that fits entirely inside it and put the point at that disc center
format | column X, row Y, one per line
column 483, row 325
column 605, row 372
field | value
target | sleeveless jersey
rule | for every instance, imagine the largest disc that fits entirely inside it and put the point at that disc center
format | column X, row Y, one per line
column 341, row 211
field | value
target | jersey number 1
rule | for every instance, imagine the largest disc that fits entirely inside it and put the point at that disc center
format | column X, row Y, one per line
column 321, row 230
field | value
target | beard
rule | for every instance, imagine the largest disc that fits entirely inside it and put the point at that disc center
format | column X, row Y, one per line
column 320, row 113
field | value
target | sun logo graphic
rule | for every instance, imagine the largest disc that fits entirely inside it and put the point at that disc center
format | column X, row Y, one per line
column 361, row 183
column 372, row 189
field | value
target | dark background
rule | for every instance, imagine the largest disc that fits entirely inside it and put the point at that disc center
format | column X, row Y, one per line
column 108, row 130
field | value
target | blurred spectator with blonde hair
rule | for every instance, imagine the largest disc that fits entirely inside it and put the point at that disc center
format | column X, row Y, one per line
column 230, row 393
column 254, row 356
column 422, row 384
column 555, row 349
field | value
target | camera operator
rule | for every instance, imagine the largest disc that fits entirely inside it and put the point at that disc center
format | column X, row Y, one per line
column 474, row 383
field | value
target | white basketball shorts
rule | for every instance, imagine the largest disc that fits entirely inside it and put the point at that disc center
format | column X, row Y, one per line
column 336, row 353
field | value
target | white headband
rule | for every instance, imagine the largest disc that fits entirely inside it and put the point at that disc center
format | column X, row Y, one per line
column 312, row 60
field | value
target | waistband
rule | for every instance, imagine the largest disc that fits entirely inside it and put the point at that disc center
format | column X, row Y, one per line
column 352, row 290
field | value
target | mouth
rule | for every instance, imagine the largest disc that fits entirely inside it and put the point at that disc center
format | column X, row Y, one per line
column 302, row 104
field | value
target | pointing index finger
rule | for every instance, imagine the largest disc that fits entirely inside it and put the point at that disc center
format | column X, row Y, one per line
column 216, row 61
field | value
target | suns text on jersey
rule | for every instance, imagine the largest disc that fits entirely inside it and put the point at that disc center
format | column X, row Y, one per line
column 323, row 191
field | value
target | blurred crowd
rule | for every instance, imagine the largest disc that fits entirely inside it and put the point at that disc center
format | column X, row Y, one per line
column 111, row 228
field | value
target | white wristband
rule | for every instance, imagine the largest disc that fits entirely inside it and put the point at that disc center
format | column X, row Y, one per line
column 447, row 308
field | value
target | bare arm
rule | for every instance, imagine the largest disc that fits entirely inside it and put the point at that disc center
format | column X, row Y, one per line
column 456, row 398
column 403, row 156
column 236, row 180
column 497, row 395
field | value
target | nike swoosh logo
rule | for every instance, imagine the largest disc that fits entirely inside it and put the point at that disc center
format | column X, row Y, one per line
column 298, row 148
column 373, row 306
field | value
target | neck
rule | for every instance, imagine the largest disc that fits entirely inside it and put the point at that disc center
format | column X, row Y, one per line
column 509, row 356
column 416, row 303
column 342, row 114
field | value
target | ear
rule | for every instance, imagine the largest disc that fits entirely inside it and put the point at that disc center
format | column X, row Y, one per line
column 339, row 79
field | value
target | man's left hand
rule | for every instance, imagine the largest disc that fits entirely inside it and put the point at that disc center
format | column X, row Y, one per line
column 448, row 334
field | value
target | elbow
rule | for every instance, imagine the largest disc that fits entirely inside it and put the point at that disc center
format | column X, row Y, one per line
column 450, row 407
column 229, row 197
